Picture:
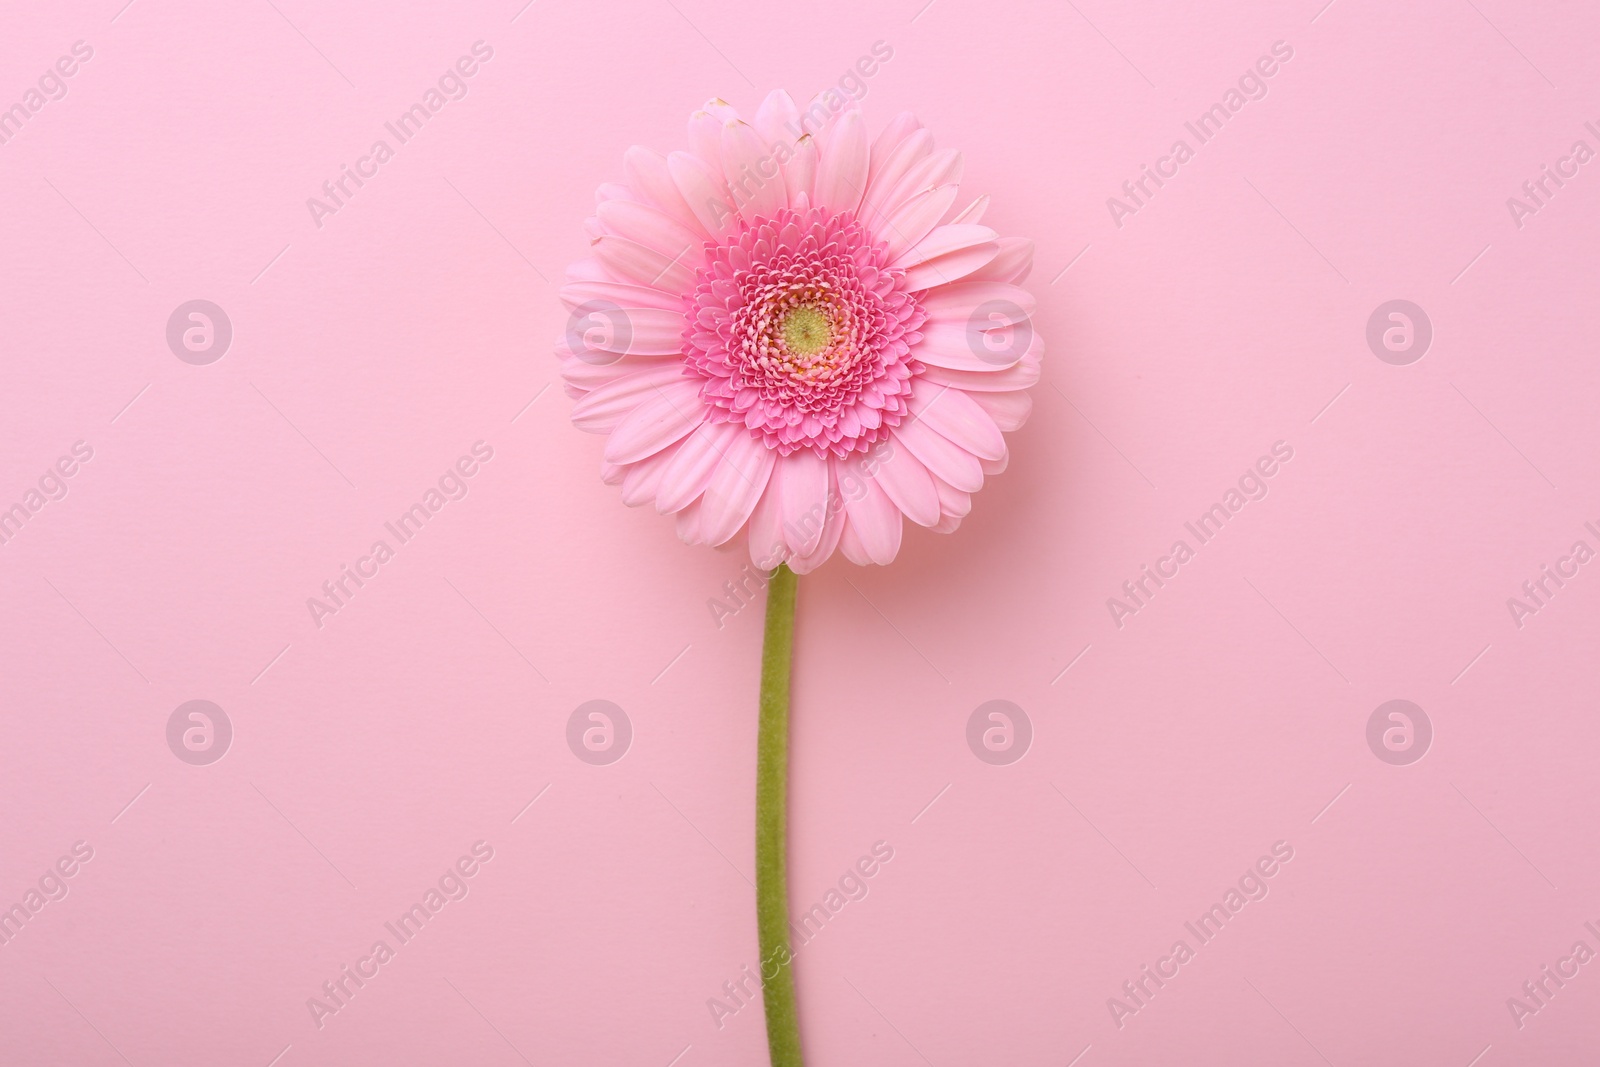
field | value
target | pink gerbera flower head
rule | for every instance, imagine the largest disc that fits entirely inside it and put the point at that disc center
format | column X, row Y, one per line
column 786, row 331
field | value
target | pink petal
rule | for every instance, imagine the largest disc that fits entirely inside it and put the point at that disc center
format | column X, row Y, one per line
column 597, row 368
column 947, row 254
column 943, row 167
column 582, row 377
column 1024, row 374
column 624, row 332
column 956, row 416
column 703, row 190
column 833, row 526
column 735, row 487
column 973, row 212
column 890, row 138
column 916, row 219
column 705, row 138
column 754, row 177
column 945, row 460
column 946, row 240
column 800, row 172
column 619, row 294
column 668, row 416
column 842, row 171
column 1008, row 410
column 696, row 460
column 952, row 501
column 647, row 173
column 874, row 519
column 850, row 543
column 818, row 119
column 1011, row 264
column 777, row 119
column 804, row 475
column 602, row 410
column 954, row 304
column 650, row 227
column 896, row 164
column 641, row 480
column 948, row 268
column 646, row 332
column 688, row 524
column 909, row 485
column 765, row 541
column 633, row 262
column 960, row 349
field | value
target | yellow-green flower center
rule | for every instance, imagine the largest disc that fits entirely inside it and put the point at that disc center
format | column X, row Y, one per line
column 806, row 331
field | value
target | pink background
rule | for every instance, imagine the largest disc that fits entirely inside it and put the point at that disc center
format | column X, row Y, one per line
column 1230, row 713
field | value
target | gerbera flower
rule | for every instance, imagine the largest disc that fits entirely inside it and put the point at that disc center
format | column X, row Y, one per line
column 787, row 332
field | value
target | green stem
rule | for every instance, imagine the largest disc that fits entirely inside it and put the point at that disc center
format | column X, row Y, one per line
column 772, row 787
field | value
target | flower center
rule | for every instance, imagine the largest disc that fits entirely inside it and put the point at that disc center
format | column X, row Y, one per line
column 801, row 332
column 806, row 331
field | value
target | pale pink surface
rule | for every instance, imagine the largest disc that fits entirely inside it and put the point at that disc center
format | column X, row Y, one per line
column 424, row 716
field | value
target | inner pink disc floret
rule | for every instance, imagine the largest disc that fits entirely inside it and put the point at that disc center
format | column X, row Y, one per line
column 802, row 333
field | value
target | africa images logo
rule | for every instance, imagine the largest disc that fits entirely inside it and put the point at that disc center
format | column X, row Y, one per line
column 451, row 85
